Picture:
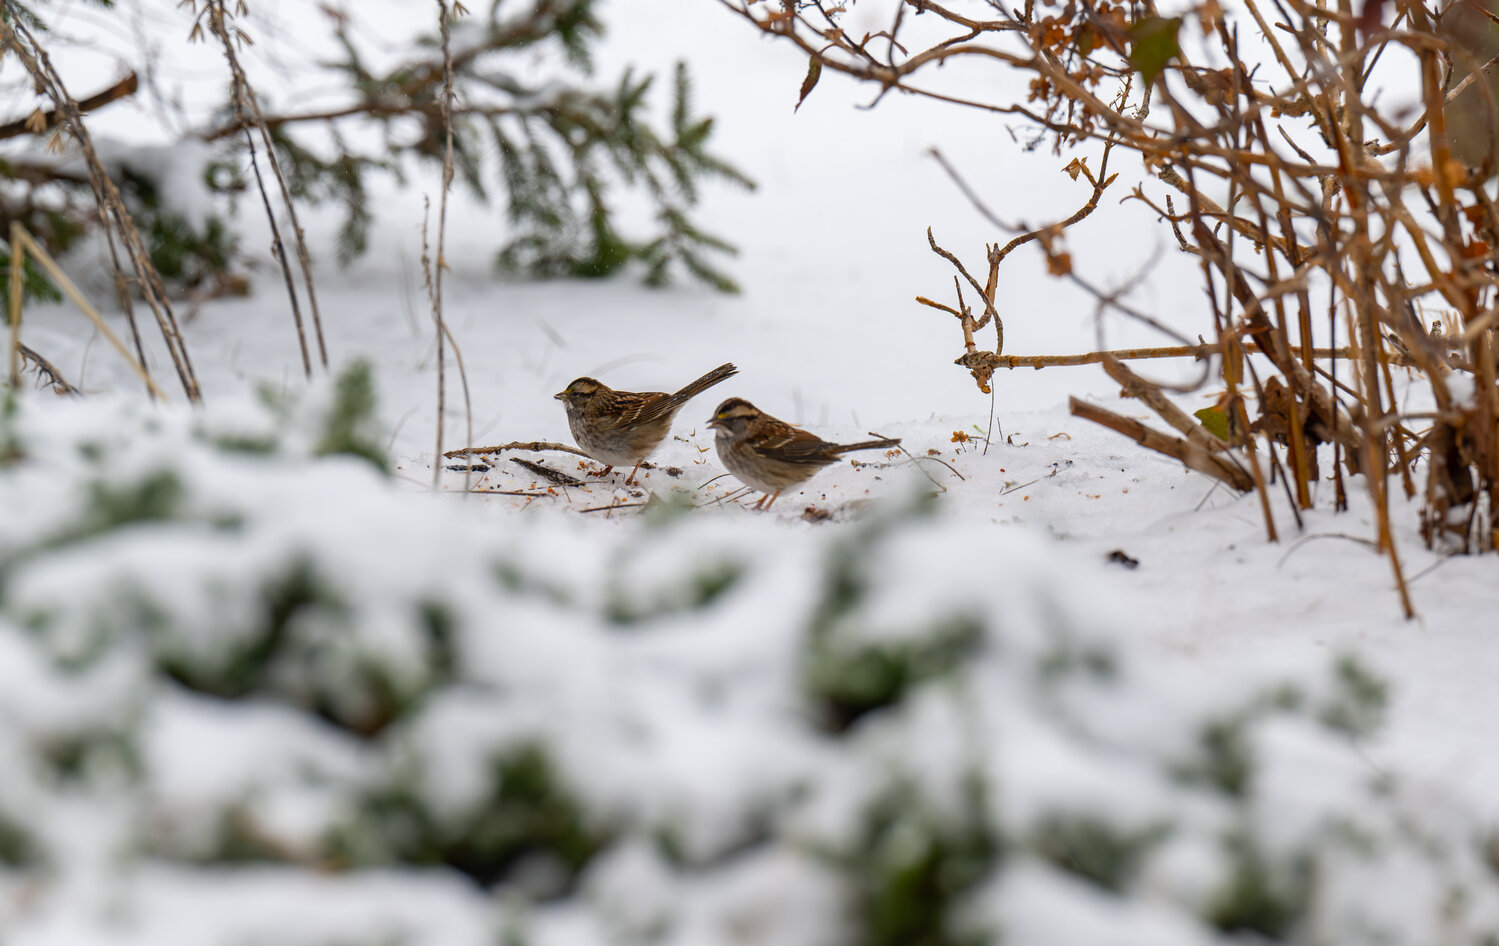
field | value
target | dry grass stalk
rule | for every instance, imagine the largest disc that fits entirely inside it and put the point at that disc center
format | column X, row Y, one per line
column 118, row 223
column 468, row 404
column 17, row 287
column 22, row 244
column 434, row 272
column 247, row 111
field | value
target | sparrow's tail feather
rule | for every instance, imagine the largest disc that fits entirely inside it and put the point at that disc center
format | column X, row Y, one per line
column 721, row 373
column 869, row 445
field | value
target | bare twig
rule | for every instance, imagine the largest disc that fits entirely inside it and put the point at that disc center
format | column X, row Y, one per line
column 247, row 108
column 1120, row 354
column 1187, row 453
column 533, row 446
column 547, row 473
column 468, row 404
column 613, row 507
column 435, row 272
column 218, row 19
column 39, row 122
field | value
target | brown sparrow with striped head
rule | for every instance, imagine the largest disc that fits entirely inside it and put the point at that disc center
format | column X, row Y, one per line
column 771, row 455
column 619, row 427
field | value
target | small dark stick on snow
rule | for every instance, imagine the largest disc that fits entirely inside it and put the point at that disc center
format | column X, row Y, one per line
column 547, row 473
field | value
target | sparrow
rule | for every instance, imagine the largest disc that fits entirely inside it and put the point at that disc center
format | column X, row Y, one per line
column 771, row 455
column 619, row 427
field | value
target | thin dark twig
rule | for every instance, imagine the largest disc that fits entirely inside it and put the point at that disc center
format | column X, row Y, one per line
column 435, row 278
column 615, row 506
column 1357, row 540
column 914, row 459
column 531, row 446
column 247, row 110
column 278, row 250
column 468, row 404
column 971, row 195
column 733, row 496
column 713, row 480
column 547, row 473
column 988, row 435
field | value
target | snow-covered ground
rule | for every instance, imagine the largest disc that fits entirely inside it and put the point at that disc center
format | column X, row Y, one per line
column 690, row 719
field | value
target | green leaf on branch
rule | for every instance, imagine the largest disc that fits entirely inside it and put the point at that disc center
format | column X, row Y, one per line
column 1154, row 43
column 814, row 72
column 1215, row 420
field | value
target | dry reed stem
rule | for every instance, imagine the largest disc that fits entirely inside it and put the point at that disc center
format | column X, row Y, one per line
column 278, row 250
column 22, row 244
column 468, row 404
column 247, row 107
column 17, row 284
column 434, row 278
column 218, row 24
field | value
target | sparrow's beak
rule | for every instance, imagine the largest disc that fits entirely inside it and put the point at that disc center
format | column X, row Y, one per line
column 560, row 397
column 714, row 422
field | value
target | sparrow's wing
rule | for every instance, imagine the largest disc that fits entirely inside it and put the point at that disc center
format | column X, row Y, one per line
column 633, row 409
column 784, row 442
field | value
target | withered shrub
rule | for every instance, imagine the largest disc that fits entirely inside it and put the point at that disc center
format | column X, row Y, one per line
column 1330, row 167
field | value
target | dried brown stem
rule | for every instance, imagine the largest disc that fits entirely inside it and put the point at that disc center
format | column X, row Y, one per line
column 434, row 272
column 612, row 507
column 39, row 122
column 1123, row 354
column 1136, row 387
column 1184, row 451
column 547, row 473
column 247, row 108
column 533, row 446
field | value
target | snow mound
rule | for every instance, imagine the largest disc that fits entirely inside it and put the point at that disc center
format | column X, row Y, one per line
column 254, row 690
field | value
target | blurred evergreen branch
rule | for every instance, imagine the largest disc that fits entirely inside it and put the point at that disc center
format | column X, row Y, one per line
column 12, row 11
column 560, row 151
column 562, row 154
